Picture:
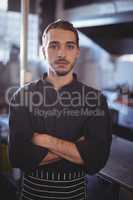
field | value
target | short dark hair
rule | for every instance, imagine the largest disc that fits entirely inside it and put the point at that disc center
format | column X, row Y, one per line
column 61, row 24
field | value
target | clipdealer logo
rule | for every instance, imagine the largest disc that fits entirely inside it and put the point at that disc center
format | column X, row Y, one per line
column 82, row 112
column 49, row 97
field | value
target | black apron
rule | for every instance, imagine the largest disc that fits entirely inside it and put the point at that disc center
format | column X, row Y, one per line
column 42, row 185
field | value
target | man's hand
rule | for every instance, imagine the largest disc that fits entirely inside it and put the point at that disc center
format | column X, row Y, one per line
column 50, row 158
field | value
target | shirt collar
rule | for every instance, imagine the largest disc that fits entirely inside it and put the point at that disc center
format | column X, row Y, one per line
column 48, row 83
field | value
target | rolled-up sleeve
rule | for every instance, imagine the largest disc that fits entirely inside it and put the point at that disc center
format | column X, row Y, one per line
column 95, row 149
column 23, row 153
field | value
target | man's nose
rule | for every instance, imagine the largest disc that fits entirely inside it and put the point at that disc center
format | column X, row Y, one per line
column 62, row 52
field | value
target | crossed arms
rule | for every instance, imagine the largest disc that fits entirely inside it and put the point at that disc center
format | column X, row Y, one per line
column 58, row 149
column 28, row 150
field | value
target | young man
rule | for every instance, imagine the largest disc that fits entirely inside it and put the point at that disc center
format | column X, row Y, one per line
column 59, row 127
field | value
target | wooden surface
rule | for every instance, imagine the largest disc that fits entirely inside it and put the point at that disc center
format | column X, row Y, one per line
column 119, row 167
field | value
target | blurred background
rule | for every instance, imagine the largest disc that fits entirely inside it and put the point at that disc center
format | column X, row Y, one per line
column 106, row 61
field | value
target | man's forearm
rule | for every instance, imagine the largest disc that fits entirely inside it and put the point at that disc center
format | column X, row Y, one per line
column 63, row 148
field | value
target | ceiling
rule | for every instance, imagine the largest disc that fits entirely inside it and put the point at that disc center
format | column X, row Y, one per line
column 72, row 3
column 117, row 39
column 108, row 23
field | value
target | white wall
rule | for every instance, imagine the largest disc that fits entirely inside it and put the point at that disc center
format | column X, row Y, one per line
column 124, row 73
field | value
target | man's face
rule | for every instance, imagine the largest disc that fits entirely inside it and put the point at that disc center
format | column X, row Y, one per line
column 60, row 50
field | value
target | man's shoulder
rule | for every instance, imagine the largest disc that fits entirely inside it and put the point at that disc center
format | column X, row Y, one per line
column 27, row 88
column 87, row 88
column 90, row 91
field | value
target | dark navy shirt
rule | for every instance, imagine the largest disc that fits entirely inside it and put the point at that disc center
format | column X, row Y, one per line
column 73, row 111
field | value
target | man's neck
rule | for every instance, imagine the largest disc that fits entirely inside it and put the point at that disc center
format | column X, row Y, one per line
column 59, row 81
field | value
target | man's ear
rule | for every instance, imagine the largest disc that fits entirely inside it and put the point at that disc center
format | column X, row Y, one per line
column 78, row 52
column 43, row 51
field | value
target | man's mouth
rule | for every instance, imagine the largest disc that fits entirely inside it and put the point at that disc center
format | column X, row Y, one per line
column 63, row 62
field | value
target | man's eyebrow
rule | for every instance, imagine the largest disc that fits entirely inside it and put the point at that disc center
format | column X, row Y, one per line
column 68, row 42
column 71, row 42
column 53, row 42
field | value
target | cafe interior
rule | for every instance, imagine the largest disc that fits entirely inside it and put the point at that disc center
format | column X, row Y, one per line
column 105, row 30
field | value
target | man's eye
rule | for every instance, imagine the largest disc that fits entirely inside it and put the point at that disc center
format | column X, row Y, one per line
column 70, row 46
column 53, row 46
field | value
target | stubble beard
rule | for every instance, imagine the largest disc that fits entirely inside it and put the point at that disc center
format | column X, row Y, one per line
column 63, row 73
column 59, row 73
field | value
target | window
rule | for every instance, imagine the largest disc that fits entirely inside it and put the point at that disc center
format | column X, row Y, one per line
column 10, row 33
column 4, row 5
